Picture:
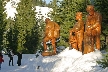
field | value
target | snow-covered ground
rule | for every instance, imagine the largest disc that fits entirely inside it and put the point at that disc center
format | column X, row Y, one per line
column 66, row 61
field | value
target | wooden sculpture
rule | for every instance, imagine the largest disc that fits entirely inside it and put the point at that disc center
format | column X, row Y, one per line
column 76, row 33
column 51, row 34
column 92, row 30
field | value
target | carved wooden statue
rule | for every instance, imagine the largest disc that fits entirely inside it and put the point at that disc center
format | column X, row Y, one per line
column 76, row 33
column 51, row 34
column 92, row 30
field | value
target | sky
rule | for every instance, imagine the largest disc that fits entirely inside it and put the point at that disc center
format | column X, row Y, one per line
column 65, row 61
column 47, row 1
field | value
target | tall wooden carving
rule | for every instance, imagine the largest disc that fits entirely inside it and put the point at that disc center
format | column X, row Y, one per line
column 52, row 30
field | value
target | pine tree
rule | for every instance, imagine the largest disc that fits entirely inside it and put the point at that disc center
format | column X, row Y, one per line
column 2, row 22
column 41, row 3
column 103, row 62
column 102, row 7
column 11, row 35
column 25, row 21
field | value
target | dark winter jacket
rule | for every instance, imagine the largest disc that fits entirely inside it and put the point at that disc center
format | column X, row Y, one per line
column 19, row 56
column 10, row 54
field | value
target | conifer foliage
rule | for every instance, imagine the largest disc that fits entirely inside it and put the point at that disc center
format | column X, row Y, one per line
column 2, row 23
column 26, row 23
column 102, row 7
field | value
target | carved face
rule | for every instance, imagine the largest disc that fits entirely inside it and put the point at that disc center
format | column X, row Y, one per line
column 46, row 20
column 90, row 9
column 78, row 15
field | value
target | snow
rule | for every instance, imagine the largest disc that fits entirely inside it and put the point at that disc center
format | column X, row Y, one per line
column 66, row 61
column 11, row 8
column 42, row 12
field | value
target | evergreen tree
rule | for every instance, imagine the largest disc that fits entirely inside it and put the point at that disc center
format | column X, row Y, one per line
column 41, row 3
column 102, row 7
column 44, row 3
column 2, row 22
column 25, row 21
column 103, row 62
column 64, row 14
column 11, row 35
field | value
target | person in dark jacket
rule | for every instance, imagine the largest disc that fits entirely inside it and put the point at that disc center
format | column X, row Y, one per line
column 19, row 58
column 10, row 55
column 1, row 59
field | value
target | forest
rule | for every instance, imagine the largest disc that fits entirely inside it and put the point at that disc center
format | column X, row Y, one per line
column 23, row 33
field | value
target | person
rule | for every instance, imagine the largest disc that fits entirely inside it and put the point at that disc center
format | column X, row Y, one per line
column 51, row 34
column 19, row 58
column 10, row 55
column 92, row 29
column 1, row 59
column 76, row 33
